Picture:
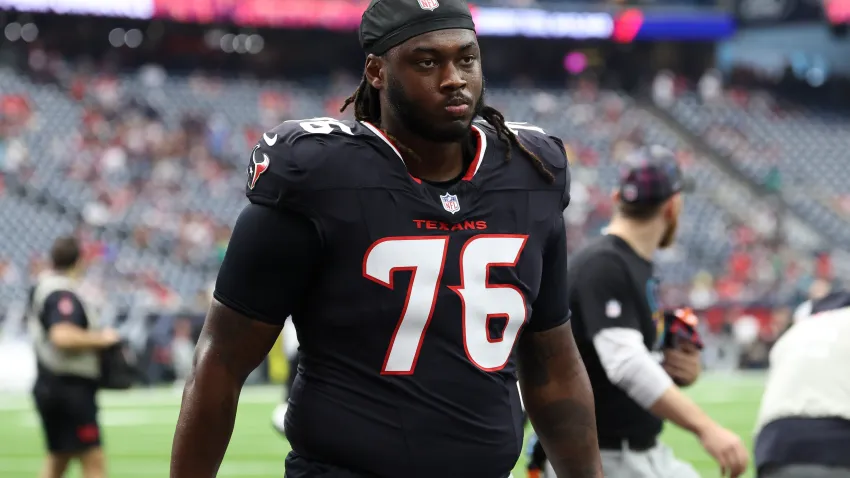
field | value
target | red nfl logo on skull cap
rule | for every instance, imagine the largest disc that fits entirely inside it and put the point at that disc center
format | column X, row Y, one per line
column 428, row 4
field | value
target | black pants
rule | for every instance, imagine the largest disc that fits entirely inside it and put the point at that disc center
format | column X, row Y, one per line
column 293, row 371
column 804, row 471
column 68, row 412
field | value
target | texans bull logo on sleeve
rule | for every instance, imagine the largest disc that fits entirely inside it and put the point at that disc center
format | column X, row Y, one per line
column 257, row 168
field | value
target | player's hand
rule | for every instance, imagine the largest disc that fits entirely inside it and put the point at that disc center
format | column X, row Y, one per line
column 683, row 364
column 727, row 448
column 109, row 337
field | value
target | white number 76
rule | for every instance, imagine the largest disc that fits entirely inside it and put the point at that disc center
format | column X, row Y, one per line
column 481, row 301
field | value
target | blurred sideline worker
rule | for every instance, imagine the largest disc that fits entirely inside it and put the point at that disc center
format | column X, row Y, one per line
column 616, row 322
column 289, row 345
column 803, row 428
column 67, row 346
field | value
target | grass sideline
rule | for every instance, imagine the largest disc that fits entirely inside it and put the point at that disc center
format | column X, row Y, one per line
column 139, row 425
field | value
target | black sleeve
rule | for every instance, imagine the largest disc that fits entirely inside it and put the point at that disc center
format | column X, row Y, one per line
column 63, row 306
column 605, row 296
column 567, row 177
column 269, row 263
column 550, row 149
column 552, row 308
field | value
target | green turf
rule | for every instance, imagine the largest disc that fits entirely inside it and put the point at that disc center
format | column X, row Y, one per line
column 139, row 426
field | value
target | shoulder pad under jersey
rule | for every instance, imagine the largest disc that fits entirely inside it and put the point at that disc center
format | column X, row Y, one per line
column 550, row 149
column 302, row 156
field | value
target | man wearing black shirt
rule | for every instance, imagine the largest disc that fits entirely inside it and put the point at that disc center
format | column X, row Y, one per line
column 615, row 305
column 67, row 342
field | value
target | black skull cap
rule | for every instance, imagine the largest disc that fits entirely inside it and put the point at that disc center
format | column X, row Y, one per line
column 387, row 23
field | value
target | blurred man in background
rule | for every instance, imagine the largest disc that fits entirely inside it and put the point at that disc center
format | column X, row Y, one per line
column 67, row 345
column 182, row 350
column 289, row 346
column 804, row 422
column 616, row 319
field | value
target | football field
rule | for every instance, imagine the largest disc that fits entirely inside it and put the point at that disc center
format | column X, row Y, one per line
column 139, row 425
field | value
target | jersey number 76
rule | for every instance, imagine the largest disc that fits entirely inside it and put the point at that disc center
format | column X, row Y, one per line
column 481, row 301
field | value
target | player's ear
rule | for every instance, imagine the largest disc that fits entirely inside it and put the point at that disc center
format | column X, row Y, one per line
column 671, row 207
column 679, row 201
column 375, row 71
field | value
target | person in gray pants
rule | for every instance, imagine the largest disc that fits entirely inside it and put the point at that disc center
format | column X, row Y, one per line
column 635, row 365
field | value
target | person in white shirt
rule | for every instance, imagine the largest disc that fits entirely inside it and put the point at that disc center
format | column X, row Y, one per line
column 289, row 345
column 803, row 426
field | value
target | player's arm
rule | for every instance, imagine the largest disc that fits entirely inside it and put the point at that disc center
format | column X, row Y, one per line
column 65, row 321
column 555, row 388
column 266, row 268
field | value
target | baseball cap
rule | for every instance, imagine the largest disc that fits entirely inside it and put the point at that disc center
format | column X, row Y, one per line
column 387, row 23
column 651, row 175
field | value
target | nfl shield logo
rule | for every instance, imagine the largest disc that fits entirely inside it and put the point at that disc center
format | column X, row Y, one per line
column 428, row 4
column 450, row 202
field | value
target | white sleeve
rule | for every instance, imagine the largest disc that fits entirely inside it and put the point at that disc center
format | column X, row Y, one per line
column 802, row 311
column 290, row 338
column 630, row 366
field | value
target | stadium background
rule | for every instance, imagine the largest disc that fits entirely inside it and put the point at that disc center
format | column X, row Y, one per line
column 129, row 124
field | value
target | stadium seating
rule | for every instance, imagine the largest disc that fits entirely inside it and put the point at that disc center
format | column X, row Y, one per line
column 803, row 150
column 154, row 166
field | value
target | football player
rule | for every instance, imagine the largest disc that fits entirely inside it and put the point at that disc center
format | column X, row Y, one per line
column 422, row 257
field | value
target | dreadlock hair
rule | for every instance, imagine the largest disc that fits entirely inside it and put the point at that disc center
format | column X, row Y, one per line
column 367, row 107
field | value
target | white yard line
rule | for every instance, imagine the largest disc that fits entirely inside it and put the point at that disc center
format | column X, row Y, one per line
column 155, row 397
column 27, row 467
column 713, row 387
column 117, row 418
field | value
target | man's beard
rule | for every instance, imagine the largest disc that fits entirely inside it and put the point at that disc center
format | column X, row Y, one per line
column 409, row 113
column 669, row 236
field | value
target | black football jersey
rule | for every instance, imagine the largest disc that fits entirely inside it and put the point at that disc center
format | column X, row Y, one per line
column 407, row 333
column 611, row 286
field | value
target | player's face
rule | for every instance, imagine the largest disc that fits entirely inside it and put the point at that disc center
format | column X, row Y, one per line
column 434, row 84
column 671, row 211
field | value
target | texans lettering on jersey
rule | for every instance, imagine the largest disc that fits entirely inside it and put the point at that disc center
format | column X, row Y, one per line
column 408, row 337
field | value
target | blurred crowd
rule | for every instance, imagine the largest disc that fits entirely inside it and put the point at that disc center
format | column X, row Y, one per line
column 132, row 160
column 612, row 3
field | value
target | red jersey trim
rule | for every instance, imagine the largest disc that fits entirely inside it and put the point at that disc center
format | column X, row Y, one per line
column 383, row 137
column 480, row 149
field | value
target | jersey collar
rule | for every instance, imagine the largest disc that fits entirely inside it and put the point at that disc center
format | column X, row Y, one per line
column 474, row 166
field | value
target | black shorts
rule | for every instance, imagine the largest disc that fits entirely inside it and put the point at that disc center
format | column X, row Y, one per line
column 68, row 412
